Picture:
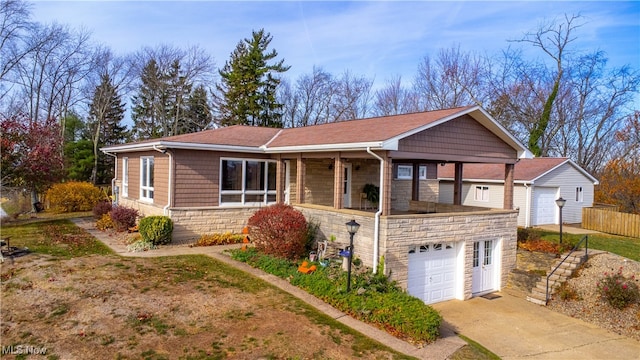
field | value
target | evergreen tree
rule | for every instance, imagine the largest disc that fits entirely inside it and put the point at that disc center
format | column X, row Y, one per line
column 161, row 105
column 78, row 149
column 146, row 118
column 106, row 113
column 198, row 116
column 247, row 92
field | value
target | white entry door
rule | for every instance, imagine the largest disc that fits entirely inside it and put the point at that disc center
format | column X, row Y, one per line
column 346, row 193
column 483, row 267
column 432, row 272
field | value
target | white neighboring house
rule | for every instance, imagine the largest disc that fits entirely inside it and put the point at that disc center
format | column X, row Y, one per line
column 538, row 182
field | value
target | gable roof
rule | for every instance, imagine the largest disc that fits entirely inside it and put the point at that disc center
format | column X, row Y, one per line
column 379, row 133
column 525, row 170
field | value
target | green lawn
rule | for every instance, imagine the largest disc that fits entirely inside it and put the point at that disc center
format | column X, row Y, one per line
column 623, row 246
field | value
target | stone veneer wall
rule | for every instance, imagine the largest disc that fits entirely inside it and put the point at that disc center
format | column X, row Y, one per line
column 402, row 232
column 401, row 193
column 145, row 209
column 332, row 222
column 190, row 223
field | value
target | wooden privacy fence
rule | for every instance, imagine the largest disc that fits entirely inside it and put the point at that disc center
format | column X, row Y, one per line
column 611, row 222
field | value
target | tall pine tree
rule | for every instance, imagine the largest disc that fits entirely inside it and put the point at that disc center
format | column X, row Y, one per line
column 247, row 91
column 106, row 113
column 198, row 116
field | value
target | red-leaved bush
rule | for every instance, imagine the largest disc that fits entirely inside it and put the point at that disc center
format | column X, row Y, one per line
column 279, row 230
column 123, row 217
column 101, row 208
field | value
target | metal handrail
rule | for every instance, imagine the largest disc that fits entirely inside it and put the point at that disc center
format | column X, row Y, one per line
column 586, row 254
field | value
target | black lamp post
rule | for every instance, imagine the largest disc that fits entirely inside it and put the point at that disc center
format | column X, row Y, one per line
column 560, row 202
column 352, row 228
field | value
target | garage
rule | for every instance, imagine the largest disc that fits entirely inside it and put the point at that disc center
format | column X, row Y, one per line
column 544, row 206
column 432, row 272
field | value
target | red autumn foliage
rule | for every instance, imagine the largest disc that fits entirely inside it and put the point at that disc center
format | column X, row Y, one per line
column 279, row 230
column 31, row 152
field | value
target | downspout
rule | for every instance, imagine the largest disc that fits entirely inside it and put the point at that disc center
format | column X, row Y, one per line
column 527, row 208
column 113, row 181
column 165, row 209
column 376, row 227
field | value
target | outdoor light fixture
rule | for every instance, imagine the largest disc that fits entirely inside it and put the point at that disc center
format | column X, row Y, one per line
column 560, row 202
column 352, row 229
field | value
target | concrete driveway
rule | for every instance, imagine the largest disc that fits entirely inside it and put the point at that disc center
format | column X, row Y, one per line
column 514, row 328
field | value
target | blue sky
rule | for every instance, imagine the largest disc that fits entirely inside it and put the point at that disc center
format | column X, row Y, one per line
column 378, row 39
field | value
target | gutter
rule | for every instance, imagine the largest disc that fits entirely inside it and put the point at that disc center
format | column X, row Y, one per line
column 165, row 209
column 376, row 227
column 113, row 181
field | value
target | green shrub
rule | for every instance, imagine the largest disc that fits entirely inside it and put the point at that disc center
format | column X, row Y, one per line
column 123, row 217
column 219, row 239
column 619, row 291
column 279, row 230
column 373, row 299
column 156, row 229
column 73, row 196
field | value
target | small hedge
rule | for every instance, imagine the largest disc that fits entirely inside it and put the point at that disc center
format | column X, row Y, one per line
column 219, row 239
column 102, row 208
column 156, row 229
column 279, row 230
column 73, row 196
column 373, row 298
column 123, row 217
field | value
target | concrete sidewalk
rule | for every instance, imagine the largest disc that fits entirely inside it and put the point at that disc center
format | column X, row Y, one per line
column 568, row 229
column 441, row 349
column 514, row 328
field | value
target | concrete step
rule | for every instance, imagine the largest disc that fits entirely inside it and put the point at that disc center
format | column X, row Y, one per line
column 537, row 301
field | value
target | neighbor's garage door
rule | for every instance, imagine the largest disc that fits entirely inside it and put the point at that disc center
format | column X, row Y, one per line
column 432, row 272
column 544, row 202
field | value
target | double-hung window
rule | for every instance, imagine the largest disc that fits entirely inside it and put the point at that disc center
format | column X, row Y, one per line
column 146, row 178
column 247, row 182
column 481, row 193
column 579, row 194
column 125, row 177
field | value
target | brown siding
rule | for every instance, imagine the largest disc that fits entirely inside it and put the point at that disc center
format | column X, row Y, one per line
column 463, row 136
column 160, row 176
column 197, row 176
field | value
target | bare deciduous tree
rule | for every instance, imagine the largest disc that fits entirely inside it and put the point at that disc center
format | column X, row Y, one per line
column 452, row 79
column 394, row 99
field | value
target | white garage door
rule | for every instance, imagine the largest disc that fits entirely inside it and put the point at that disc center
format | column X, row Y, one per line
column 544, row 202
column 432, row 272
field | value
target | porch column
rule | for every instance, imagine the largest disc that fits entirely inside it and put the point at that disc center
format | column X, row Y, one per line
column 300, row 176
column 415, row 182
column 457, row 184
column 388, row 177
column 508, row 186
column 338, row 182
column 280, row 180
